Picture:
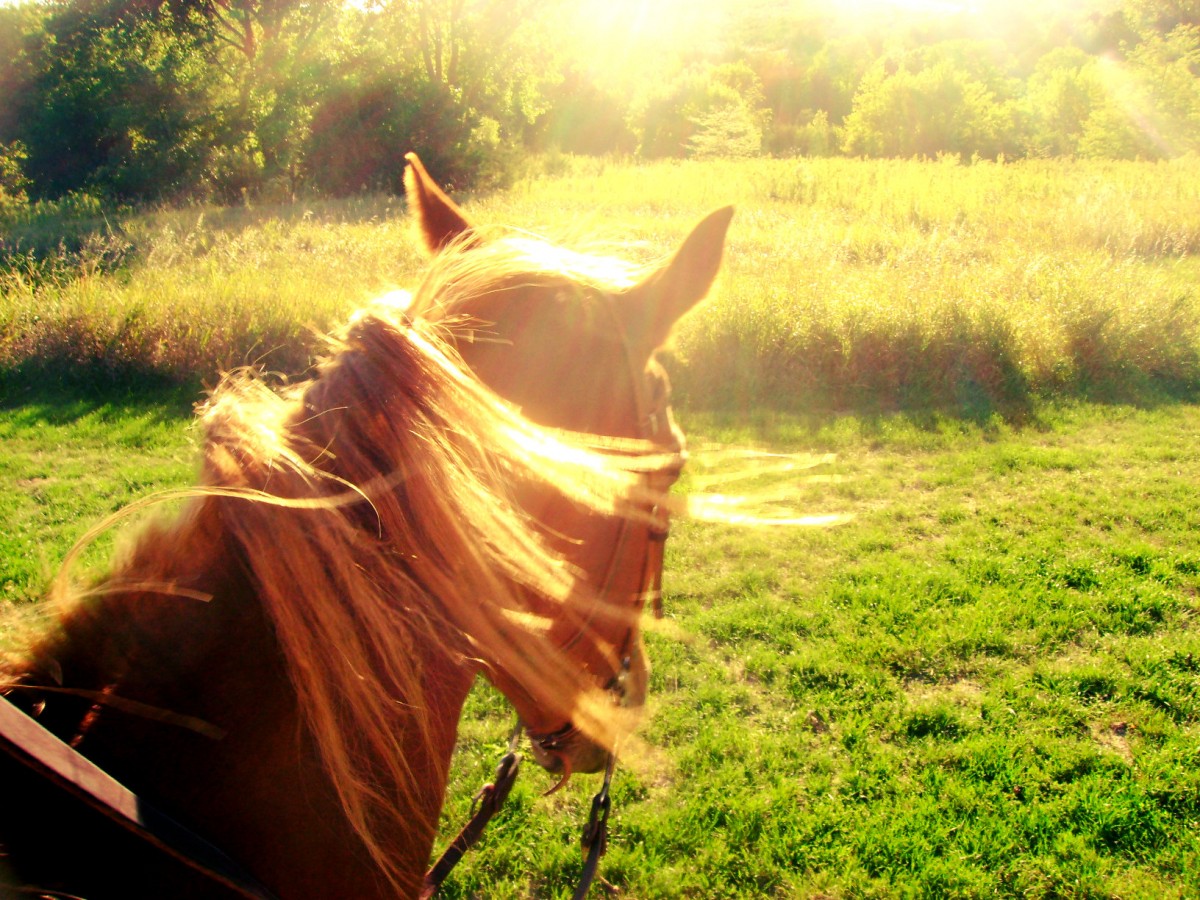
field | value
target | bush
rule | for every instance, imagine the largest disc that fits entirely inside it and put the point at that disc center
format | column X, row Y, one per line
column 13, row 182
column 707, row 110
column 730, row 132
column 361, row 131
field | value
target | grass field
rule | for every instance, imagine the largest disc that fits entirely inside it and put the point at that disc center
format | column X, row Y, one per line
column 987, row 683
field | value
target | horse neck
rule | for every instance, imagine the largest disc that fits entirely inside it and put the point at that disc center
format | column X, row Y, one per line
column 145, row 628
column 253, row 784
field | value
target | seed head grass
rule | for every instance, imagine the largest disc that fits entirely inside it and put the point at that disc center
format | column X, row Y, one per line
column 978, row 288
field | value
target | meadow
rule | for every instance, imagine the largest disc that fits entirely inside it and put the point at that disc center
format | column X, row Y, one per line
column 869, row 285
column 987, row 683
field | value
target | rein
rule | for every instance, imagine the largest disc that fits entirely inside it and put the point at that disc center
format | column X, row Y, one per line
column 485, row 805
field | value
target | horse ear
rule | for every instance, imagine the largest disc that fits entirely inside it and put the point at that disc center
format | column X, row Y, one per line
column 438, row 217
column 655, row 305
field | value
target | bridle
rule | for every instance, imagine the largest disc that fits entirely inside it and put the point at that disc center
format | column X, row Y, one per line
column 654, row 424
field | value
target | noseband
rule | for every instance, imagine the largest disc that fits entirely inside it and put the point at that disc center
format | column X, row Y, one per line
column 653, row 424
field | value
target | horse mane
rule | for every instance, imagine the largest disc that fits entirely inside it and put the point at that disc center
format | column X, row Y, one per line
column 416, row 542
column 372, row 510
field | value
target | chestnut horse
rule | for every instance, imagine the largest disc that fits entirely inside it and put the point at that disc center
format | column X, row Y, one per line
column 282, row 667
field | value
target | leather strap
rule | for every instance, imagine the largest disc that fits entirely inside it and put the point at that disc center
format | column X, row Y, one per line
column 487, row 803
column 31, row 745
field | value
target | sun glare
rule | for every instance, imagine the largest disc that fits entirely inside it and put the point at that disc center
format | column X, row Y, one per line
column 634, row 18
column 852, row 8
column 627, row 38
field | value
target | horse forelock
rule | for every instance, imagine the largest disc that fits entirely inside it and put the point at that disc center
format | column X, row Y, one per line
column 469, row 269
column 382, row 525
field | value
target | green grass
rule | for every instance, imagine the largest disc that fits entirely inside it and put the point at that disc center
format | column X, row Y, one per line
column 67, row 462
column 849, row 284
column 986, row 684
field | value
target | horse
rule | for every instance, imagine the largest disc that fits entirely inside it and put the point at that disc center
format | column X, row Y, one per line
column 473, row 482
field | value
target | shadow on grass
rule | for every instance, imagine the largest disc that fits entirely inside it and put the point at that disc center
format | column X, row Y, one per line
column 976, row 414
column 61, row 247
column 59, row 395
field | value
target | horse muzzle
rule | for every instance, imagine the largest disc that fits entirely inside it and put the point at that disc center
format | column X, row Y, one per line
column 566, row 752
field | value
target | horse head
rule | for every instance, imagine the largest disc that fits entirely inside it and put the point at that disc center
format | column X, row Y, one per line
column 570, row 339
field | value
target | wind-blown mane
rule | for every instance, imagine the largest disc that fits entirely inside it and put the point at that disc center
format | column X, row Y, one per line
column 372, row 511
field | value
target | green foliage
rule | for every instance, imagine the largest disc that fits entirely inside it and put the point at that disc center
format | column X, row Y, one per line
column 1161, row 16
column 1147, row 106
column 1166, row 89
column 153, row 102
column 938, row 107
column 730, row 132
column 461, row 84
column 162, row 100
column 13, row 182
column 710, row 110
column 360, row 132
column 117, row 107
column 818, row 137
column 1061, row 96
column 584, row 118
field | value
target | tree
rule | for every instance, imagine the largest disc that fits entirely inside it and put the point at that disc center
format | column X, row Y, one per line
column 1161, row 16
column 1145, row 106
column 491, row 56
column 1110, row 133
column 702, row 97
column 1061, row 95
column 22, row 32
column 363, row 127
column 461, row 83
column 13, row 183
column 728, row 131
column 119, row 104
column 1165, row 75
column 582, row 117
column 272, row 59
column 940, row 108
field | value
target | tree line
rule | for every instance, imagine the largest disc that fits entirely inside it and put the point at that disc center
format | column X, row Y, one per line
column 227, row 100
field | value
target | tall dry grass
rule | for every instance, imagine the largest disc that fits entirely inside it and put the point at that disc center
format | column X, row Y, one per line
column 848, row 283
column 187, row 293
